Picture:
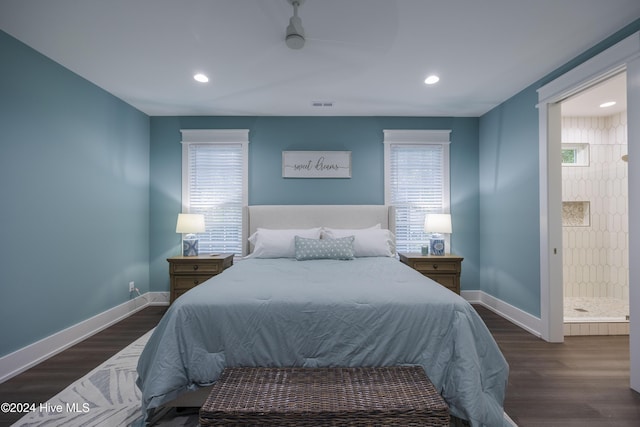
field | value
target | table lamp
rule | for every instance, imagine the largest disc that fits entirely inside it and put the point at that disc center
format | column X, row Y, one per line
column 190, row 224
column 436, row 224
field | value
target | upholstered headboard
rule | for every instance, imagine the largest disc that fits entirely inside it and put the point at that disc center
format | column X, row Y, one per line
column 308, row 216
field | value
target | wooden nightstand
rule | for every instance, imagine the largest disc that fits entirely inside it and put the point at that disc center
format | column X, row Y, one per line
column 444, row 269
column 187, row 272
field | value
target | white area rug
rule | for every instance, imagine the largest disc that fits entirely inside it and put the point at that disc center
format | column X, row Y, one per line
column 108, row 396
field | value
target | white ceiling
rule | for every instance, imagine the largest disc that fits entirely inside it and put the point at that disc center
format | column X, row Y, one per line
column 587, row 103
column 367, row 57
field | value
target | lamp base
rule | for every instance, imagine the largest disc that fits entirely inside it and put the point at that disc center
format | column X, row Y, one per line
column 190, row 247
column 437, row 245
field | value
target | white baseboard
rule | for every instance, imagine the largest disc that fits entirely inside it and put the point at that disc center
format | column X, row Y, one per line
column 157, row 298
column 20, row 360
column 513, row 314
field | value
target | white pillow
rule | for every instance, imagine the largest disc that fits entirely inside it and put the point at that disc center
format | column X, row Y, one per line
column 327, row 231
column 270, row 243
column 374, row 241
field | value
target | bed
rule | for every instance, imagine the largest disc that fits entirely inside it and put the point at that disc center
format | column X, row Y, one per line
column 322, row 305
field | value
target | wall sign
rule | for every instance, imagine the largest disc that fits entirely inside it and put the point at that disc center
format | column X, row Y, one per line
column 316, row 164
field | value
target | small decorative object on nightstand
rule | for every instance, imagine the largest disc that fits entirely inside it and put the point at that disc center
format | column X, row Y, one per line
column 437, row 224
column 187, row 272
column 190, row 224
column 444, row 269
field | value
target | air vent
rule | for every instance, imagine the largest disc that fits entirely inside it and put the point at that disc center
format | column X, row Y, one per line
column 325, row 104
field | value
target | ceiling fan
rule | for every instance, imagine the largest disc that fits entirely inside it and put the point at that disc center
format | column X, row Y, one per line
column 295, row 33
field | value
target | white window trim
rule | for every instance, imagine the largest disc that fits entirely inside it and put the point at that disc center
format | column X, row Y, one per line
column 216, row 136
column 419, row 137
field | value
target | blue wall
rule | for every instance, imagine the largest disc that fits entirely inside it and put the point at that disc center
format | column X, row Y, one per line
column 74, row 188
column 509, row 193
column 269, row 136
column 509, row 203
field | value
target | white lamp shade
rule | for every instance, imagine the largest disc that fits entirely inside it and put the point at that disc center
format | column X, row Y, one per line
column 437, row 223
column 190, row 223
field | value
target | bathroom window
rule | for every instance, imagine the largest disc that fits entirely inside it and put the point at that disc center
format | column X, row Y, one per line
column 574, row 154
column 568, row 156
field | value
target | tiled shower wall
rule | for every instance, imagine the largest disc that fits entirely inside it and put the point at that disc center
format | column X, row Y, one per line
column 595, row 252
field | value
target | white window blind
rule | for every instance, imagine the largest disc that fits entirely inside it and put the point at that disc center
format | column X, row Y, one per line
column 214, row 184
column 416, row 182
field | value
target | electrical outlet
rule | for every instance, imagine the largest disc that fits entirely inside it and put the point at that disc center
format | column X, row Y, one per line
column 131, row 287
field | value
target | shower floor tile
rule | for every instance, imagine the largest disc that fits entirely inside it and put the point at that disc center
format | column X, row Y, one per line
column 600, row 309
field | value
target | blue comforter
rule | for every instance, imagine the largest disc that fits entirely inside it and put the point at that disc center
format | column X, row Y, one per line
column 365, row 312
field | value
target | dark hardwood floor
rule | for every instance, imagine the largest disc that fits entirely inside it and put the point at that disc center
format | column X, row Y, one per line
column 45, row 380
column 582, row 382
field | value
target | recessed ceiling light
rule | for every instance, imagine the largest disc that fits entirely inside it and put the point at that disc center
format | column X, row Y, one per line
column 608, row 104
column 432, row 79
column 201, row 78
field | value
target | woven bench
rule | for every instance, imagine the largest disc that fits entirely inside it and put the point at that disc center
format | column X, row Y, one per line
column 394, row 396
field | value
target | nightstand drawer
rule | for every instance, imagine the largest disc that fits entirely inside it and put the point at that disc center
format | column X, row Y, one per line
column 447, row 280
column 436, row 266
column 196, row 267
column 177, row 292
column 187, row 272
column 443, row 269
column 188, row 282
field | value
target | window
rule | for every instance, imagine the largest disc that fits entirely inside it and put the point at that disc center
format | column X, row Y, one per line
column 416, row 181
column 569, row 156
column 575, row 154
column 214, row 183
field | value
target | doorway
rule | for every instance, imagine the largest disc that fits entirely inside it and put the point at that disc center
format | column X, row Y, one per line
column 624, row 55
column 595, row 221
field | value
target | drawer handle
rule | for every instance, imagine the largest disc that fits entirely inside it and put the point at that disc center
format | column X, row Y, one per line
column 435, row 266
column 196, row 281
column 195, row 267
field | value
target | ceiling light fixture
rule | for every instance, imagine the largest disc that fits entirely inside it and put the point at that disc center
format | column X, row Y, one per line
column 432, row 79
column 295, row 33
column 608, row 104
column 201, row 78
